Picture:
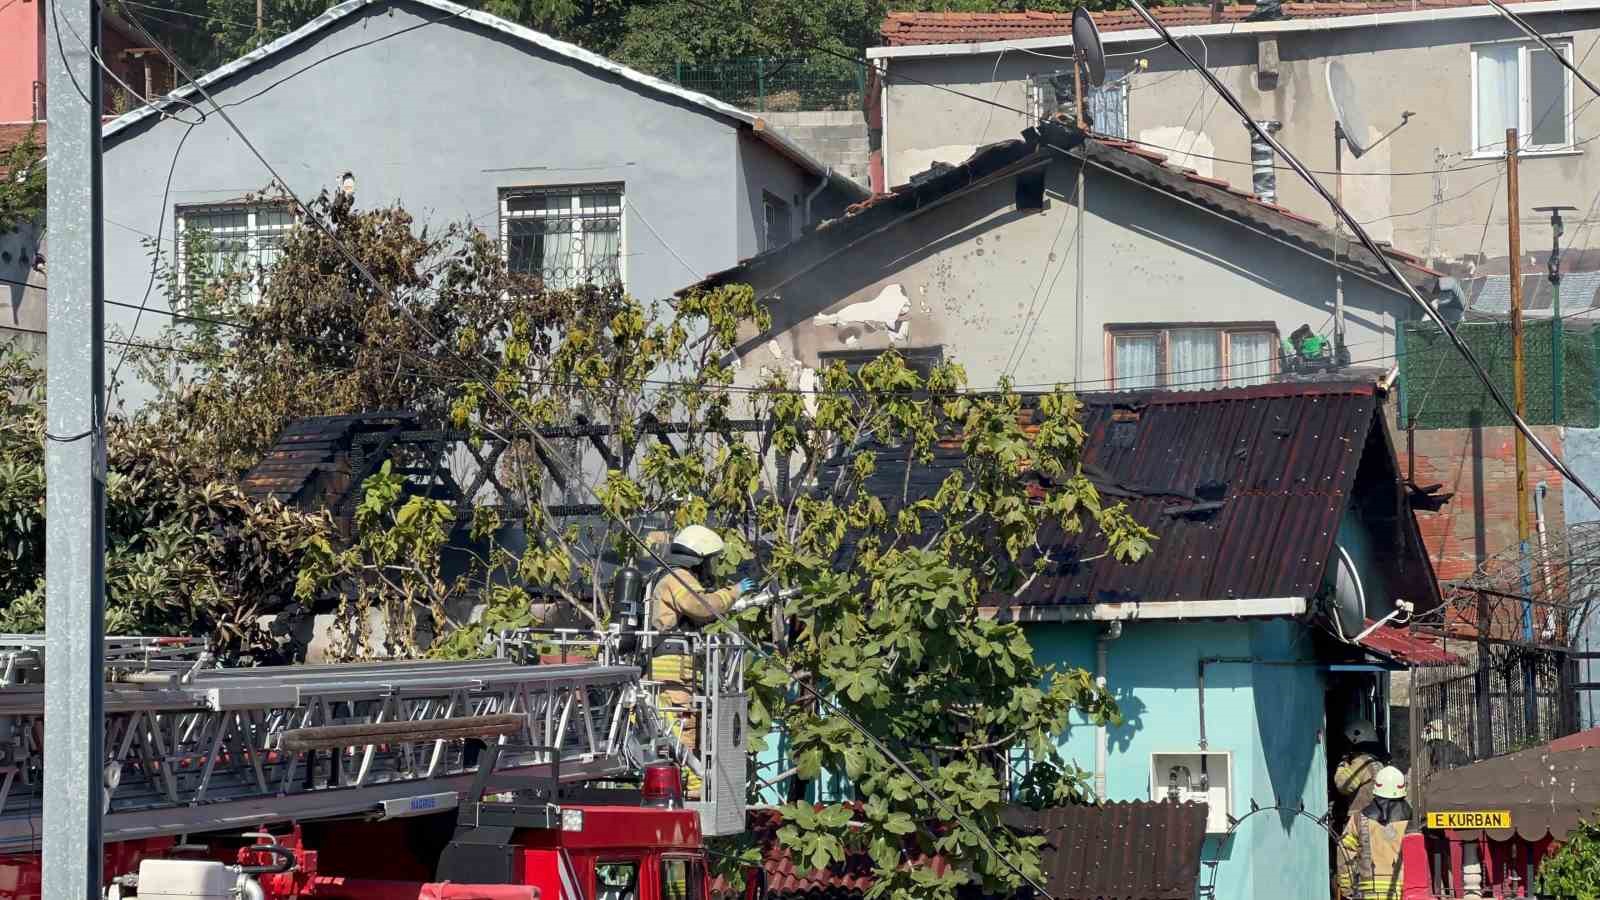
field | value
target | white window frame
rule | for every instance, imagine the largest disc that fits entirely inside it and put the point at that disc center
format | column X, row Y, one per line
column 1188, row 381
column 1524, row 101
column 252, row 232
column 575, row 195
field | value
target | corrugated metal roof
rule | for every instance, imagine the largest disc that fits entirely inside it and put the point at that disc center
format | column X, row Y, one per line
column 1408, row 647
column 912, row 28
column 1283, row 457
column 1121, row 851
column 1491, row 294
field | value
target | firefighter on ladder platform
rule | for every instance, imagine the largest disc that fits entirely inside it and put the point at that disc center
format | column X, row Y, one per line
column 678, row 603
column 1369, row 857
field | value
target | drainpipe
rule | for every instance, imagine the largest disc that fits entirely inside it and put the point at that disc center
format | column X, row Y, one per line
column 827, row 176
column 1102, row 749
column 1538, row 506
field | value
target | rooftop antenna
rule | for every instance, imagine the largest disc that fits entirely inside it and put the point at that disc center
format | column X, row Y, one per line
column 1349, row 130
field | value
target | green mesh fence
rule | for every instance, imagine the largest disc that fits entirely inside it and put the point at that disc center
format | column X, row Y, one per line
column 777, row 85
column 1440, row 391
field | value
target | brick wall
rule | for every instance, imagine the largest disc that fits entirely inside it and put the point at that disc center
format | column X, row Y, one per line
column 1479, row 466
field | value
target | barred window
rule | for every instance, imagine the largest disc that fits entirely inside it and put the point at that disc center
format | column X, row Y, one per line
column 567, row 235
column 220, row 239
column 1106, row 106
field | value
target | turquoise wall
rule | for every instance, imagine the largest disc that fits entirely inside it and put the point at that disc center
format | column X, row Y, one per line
column 1269, row 716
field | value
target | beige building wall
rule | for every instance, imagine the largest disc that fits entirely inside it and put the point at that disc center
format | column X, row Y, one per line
column 1423, row 67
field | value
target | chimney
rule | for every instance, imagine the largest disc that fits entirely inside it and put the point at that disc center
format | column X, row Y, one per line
column 1264, row 180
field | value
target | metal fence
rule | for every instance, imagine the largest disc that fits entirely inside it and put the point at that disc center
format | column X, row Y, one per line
column 1484, row 709
column 777, row 85
column 1439, row 390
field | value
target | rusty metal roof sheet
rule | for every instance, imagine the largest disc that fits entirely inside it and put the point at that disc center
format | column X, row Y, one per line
column 1121, row 851
column 309, row 447
column 1547, row 791
column 1281, row 460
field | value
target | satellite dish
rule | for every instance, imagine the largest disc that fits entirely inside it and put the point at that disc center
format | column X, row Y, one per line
column 1349, row 598
column 1086, row 45
column 1352, row 121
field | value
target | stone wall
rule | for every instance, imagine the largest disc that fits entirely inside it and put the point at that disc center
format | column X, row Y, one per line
column 836, row 138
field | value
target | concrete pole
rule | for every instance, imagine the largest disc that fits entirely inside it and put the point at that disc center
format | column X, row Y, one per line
column 74, row 780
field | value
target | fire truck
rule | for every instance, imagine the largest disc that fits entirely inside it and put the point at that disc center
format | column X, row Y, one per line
column 543, row 773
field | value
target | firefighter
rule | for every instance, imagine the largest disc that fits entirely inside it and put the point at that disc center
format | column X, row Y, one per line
column 1369, row 855
column 1363, row 757
column 680, row 602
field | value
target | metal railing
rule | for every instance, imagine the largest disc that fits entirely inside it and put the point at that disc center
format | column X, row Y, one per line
column 777, row 85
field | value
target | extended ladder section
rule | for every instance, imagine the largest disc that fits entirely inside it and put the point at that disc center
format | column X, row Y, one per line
column 717, row 709
column 191, row 748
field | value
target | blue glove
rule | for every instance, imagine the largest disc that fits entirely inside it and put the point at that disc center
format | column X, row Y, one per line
column 746, row 585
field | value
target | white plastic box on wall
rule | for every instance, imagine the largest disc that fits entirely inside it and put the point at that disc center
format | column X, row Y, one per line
column 1198, row 776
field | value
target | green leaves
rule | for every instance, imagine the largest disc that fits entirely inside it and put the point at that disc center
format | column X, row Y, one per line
column 1573, row 873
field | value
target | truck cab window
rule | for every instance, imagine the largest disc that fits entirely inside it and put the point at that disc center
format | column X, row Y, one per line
column 680, row 880
column 617, row 880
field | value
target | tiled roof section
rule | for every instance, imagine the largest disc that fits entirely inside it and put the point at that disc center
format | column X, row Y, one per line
column 1243, row 487
column 787, row 881
column 1124, row 158
column 1491, row 294
column 1547, row 791
column 311, row 457
column 908, row 28
column 1128, row 851
column 1408, row 647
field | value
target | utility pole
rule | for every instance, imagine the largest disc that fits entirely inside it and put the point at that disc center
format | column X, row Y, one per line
column 1530, row 701
column 261, row 16
column 74, row 782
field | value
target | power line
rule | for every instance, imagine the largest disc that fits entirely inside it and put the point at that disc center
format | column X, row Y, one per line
column 180, row 12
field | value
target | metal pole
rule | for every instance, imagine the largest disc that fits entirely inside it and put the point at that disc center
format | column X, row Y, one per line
column 1338, row 236
column 1518, row 363
column 1077, row 324
column 74, row 782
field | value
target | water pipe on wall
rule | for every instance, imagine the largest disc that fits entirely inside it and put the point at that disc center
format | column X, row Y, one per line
column 1102, row 749
column 827, row 178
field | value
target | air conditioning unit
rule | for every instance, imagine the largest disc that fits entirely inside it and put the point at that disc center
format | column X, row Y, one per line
column 1196, row 776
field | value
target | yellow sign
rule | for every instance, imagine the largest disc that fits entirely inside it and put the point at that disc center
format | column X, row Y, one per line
column 1473, row 819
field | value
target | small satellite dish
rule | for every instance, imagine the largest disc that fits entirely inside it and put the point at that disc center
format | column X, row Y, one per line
column 1086, row 45
column 1346, row 109
column 1349, row 598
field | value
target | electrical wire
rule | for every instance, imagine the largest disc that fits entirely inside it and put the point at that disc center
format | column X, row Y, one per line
column 180, row 12
column 1372, row 247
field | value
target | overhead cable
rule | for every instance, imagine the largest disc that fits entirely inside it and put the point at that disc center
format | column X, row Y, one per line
column 1372, row 247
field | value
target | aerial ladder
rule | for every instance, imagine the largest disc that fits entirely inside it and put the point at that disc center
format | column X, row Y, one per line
column 505, row 751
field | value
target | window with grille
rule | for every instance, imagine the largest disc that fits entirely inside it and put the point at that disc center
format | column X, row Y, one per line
column 220, row 240
column 779, row 224
column 569, row 236
column 1190, row 357
column 1106, row 106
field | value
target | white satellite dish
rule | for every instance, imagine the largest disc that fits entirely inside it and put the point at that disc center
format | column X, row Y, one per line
column 1349, row 597
column 1346, row 110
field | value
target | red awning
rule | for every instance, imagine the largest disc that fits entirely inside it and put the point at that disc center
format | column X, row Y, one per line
column 1408, row 647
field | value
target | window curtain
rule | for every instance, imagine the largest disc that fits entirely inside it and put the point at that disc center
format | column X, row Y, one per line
column 1250, row 357
column 1137, row 361
column 1497, row 94
column 1195, row 358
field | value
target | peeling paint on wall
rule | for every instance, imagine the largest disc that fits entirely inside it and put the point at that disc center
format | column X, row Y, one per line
column 1195, row 147
column 887, row 312
column 907, row 163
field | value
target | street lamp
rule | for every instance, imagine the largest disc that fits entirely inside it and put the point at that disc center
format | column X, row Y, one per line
column 1557, row 386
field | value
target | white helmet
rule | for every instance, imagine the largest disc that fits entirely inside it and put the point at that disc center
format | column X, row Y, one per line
column 1361, row 732
column 697, row 540
column 1390, row 784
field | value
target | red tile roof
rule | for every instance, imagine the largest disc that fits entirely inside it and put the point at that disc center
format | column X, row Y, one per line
column 907, row 28
column 1408, row 647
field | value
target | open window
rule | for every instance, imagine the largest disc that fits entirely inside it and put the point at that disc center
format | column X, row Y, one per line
column 1521, row 85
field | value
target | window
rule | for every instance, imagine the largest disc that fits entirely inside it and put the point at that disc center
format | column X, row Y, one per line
column 569, row 236
column 616, row 880
column 213, row 241
column 1191, row 357
column 1050, row 93
column 680, row 879
column 920, row 360
column 1521, row 86
column 778, row 229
